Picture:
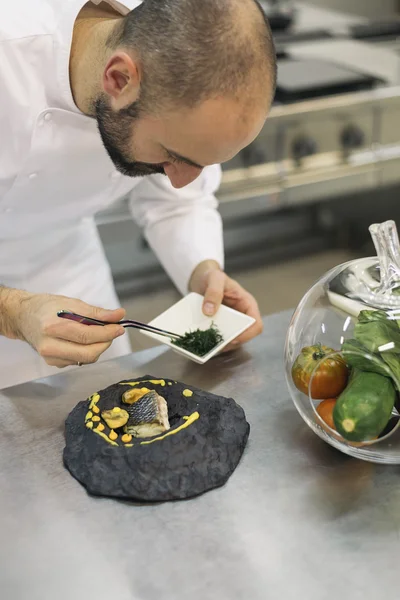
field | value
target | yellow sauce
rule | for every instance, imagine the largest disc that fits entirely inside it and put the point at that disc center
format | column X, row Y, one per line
column 187, row 393
column 96, row 418
column 105, row 437
column 188, row 421
column 93, row 401
column 113, row 435
column 95, row 409
column 100, row 427
column 89, row 425
column 89, row 415
column 153, row 381
column 126, row 438
column 128, row 445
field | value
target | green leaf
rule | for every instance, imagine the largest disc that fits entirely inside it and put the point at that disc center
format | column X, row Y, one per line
column 359, row 357
column 368, row 316
column 376, row 334
column 393, row 362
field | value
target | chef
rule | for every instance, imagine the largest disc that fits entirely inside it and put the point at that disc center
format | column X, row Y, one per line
column 103, row 100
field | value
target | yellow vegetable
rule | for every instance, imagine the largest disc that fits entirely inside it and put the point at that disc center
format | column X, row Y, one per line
column 134, row 395
column 115, row 418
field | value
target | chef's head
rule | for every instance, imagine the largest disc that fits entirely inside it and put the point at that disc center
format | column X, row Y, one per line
column 185, row 84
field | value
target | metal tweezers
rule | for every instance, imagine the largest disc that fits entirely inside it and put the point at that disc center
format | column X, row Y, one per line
column 66, row 314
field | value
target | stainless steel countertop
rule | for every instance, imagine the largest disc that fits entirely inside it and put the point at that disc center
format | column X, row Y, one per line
column 296, row 520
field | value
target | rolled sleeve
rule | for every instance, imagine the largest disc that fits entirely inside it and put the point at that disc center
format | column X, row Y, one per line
column 183, row 227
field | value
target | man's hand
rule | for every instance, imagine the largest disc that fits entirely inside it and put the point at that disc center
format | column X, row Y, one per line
column 217, row 288
column 33, row 319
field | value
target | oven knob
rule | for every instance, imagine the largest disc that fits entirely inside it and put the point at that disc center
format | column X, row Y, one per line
column 253, row 155
column 352, row 137
column 303, row 146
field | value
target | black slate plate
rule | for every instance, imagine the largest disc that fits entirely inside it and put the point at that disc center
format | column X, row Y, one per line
column 195, row 459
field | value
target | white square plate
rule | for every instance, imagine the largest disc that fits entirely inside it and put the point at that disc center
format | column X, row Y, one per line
column 187, row 315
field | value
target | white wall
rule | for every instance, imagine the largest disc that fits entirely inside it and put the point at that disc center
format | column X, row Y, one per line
column 368, row 8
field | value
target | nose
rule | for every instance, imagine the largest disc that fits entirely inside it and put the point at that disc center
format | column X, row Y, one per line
column 181, row 174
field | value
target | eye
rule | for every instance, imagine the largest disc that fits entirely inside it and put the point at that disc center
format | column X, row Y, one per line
column 174, row 159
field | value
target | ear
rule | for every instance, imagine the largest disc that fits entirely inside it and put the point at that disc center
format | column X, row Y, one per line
column 121, row 80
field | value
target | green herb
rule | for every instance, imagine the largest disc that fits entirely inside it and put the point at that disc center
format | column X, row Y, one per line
column 200, row 342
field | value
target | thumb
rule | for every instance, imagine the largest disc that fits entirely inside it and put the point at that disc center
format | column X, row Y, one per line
column 104, row 314
column 214, row 293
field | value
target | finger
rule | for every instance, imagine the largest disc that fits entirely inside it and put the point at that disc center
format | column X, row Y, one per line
column 231, row 347
column 56, row 362
column 72, row 331
column 214, row 293
column 71, row 352
column 94, row 312
column 252, row 332
column 249, row 306
column 248, row 335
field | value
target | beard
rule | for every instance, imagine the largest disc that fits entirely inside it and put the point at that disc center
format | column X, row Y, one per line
column 115, row 129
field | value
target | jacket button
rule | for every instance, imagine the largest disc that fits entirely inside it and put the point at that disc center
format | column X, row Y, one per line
column 46, row 117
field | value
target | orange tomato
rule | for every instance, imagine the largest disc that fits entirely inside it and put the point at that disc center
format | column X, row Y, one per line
column 325, row 411
column 329, row 375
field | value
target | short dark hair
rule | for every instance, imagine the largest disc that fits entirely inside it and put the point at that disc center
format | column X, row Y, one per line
column 191, row 50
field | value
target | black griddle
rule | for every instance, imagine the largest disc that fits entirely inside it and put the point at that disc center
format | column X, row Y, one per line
column 376, row 30
column 304, row 79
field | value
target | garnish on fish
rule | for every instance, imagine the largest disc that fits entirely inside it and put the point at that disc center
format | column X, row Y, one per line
column 116, row 417
column 134, row 395
column 148, row 415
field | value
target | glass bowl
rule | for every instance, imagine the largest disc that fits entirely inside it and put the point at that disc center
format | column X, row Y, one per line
column 343, row 346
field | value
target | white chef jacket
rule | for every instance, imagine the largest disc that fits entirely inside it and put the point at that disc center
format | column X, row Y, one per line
column 55, row 175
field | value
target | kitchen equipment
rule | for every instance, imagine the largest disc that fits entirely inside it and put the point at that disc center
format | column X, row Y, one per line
column 280, row 13
column 301, row 79
column 330, row 315
column 373, row 30
column 65, row 314
column 316, row 163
